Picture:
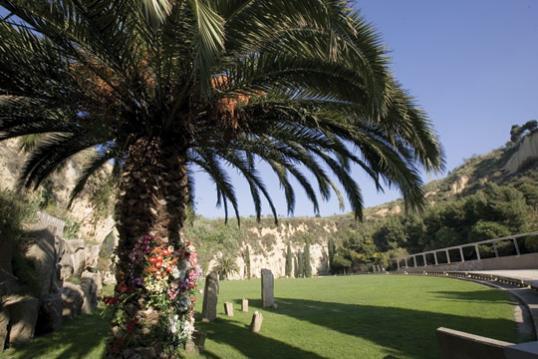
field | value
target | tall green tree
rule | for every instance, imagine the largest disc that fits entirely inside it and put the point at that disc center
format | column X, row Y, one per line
column 300, row 265
column 289, row 261
column 161, row 87
column 296, row 272
column 246, row 258
column 390, row 235
column 307, row 265
column 331, row 247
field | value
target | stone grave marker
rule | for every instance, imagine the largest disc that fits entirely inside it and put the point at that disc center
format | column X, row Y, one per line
column 256, row 323
column 229, row 309
column 244, row 305
column 268, row 285
column 211, row 291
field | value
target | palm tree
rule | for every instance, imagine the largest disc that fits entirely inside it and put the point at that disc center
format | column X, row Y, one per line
column 159, row 87
column 226, row 266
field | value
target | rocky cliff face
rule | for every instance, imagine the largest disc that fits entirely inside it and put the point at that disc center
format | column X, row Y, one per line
column 525, row 153
column 81, row 212
column 272, row 254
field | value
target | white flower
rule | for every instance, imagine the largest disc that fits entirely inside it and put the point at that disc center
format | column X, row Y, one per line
column 174, row 321
column 176, row 273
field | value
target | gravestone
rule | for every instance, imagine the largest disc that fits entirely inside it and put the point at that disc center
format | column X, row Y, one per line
column 268, row 285
column 244, row 305
column 211, row 291
column 256, row 323
column 229, row 309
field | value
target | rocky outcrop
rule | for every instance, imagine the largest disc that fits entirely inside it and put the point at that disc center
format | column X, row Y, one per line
column 10, row 164
column 50, row 313
column 44, row 251
column 527, row 151
column 459, row 185
column 73, row 259
column 72, row 300
column 91, row 284
column 25, row 309
column 77, row 257
column 22, row 312
column 4, row 322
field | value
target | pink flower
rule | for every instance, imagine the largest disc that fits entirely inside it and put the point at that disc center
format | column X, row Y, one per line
column 172, row 294
column 193, row 258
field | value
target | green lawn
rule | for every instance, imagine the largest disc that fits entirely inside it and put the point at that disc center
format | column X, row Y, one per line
column 373, row 316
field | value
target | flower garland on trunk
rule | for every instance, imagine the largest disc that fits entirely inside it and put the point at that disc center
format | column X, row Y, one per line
column 154, row 298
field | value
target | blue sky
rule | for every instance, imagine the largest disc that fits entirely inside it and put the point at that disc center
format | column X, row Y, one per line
column 472, row 65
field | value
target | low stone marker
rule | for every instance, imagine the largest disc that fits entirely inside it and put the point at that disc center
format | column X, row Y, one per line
column 268, row 285
column 256, row 323
column 211, row 291
column 229, row 309
column 244, row 305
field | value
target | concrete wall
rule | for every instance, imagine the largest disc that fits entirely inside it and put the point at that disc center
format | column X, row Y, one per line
column 454, row 344
column 460, row 345
column 524, row 261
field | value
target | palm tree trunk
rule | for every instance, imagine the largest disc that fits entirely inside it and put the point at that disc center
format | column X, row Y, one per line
column 156, row 271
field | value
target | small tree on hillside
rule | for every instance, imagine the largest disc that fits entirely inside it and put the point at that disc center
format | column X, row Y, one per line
column 289, row 261
column 307, row 266
column 341, row 263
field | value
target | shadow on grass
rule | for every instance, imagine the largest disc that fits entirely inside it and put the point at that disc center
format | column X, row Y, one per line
column 401, row 331
column 81, row 337
column 251, row 345
column 488, row 296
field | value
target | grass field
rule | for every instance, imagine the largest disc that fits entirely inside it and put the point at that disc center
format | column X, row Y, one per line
column 373, row 316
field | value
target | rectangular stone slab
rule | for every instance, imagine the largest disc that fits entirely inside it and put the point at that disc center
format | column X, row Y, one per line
column 268, row 285
column 211, row 291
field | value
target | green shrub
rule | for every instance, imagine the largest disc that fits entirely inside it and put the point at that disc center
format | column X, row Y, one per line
column 71, row 229
column 15, row 209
